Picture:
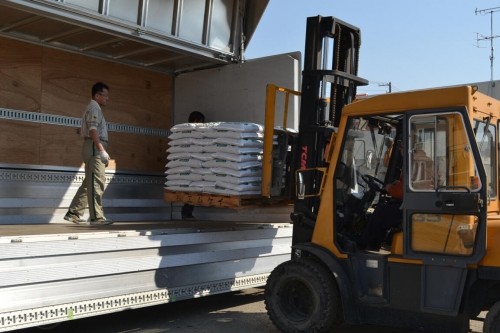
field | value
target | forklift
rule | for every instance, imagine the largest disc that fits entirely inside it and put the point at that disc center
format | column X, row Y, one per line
column 436, row 265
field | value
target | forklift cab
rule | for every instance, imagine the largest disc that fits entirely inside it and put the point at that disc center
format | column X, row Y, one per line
column 442, row 184
column 434, row 153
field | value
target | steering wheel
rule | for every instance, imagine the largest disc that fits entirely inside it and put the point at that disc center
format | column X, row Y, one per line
column 372, row 182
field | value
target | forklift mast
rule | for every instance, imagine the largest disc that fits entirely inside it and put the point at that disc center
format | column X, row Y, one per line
column 329, row 82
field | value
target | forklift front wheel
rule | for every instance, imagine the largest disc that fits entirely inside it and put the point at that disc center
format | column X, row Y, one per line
column 492, row 320
column 302, row 296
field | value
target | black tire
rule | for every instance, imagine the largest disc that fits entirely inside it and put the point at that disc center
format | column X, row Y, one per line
column 302, row 296
column 492, row 320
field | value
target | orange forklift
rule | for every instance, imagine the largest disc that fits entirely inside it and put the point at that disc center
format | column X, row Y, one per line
column 435, row 269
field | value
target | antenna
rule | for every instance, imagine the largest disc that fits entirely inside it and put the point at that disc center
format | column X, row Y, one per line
column 491, row 37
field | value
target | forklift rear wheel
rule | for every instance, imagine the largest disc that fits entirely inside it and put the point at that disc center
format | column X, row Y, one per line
column 302, row 296
column 492, row 320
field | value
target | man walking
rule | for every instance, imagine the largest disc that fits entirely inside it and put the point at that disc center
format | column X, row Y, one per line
column 96, row 159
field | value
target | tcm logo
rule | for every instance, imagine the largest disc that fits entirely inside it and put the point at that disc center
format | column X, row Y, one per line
column 303, row 158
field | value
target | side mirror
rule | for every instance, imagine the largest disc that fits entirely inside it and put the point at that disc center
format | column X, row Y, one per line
column 309, row 182
column 301, row 187
column 369, row 159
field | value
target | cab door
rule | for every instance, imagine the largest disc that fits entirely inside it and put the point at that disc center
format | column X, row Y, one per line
column 444, row 204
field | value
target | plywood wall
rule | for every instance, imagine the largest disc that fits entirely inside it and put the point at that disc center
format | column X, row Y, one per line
column 38, row 79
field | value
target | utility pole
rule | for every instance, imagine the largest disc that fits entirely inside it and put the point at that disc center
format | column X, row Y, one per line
column 491, row 37
column 388, row 84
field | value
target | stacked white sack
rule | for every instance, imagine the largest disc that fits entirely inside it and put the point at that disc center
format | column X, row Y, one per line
column 218, row 158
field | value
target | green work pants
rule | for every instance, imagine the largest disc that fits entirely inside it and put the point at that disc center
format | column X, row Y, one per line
column 92, row 188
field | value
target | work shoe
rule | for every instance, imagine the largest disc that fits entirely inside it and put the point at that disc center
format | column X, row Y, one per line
column 102, row 221
column 74, row 218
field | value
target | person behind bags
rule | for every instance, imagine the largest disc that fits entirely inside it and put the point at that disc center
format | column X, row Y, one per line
column 187, row 209
column 96, row 158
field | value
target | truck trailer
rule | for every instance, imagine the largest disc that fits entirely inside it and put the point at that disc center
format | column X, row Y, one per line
column 161, row 60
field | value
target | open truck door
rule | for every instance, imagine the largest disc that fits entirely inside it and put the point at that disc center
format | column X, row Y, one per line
column 444, row 204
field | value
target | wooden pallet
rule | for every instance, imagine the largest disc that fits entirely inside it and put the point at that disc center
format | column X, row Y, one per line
column 212, row 200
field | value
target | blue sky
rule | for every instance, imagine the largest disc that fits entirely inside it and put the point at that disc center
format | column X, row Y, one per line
column 414, row 44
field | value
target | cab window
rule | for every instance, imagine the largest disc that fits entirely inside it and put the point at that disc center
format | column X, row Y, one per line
column 371, row 157
column 485, row 138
